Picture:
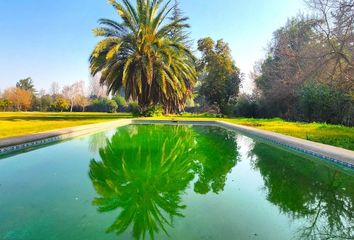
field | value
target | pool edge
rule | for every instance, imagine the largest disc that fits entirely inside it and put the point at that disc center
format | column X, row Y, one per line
column 13, row 144
column 336, row 155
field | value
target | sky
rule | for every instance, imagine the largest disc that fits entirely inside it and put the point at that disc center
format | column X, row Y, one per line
column 51, row 40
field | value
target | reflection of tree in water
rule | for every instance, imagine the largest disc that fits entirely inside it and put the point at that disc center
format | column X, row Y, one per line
column 216, row 155
column 303, row 189
column 145, row 176
column 97, row 141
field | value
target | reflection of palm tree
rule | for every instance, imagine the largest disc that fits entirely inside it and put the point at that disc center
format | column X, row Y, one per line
column 145, row 181
column 320, row 195
column 97, row 141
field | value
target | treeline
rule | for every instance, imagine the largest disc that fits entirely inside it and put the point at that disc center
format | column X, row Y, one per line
column 74, row 97
column 308, row 73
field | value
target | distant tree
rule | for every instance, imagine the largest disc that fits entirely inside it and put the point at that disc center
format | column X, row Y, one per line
column 26, row 84
column 177, row 33
column 5, row 104
column 336, row 27
column 220, row 77
column 21, row 99
column 60, row 104
column 46, row 102
column 54, row 89
column 73, row 93
column 97, row 90
column 139, row 56
column 83, row 102
column 289, row 63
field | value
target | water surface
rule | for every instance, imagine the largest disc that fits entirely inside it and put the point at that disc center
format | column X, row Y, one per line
column 172, row 182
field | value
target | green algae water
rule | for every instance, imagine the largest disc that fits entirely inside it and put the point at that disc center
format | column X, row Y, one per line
column 172, row 182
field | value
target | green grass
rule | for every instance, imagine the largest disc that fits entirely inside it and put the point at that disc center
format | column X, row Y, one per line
column 22, row 123
column 335, row 135
column 16, row 124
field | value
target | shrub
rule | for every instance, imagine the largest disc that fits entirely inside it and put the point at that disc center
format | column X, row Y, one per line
column 134, row 108
column 103, row 105
column 121, row 103
column 153, row 111
column 321, row 103
column 246, row 106
column 112, row 106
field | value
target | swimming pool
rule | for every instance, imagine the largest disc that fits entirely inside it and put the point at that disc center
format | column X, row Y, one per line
column 172, row 182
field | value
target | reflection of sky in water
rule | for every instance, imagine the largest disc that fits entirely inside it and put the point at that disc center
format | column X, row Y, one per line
column 194, row 182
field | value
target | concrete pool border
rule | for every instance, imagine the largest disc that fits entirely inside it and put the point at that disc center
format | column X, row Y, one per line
column 333, row 154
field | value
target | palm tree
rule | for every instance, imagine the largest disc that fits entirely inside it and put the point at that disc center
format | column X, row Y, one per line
column 140, row 56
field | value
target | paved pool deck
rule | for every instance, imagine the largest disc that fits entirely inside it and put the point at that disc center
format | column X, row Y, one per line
column 334, row 154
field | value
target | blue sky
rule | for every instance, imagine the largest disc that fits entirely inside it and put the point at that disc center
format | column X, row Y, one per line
column 52, row 40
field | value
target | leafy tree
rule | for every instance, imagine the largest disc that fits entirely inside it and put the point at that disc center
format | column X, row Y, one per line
column 26, row 84
column 60, row 104
column 220, row 76
column 177, row 33
column 5, row 104
column 21, row 99
column 139, row 56
column 46, row 102
column 285, row 69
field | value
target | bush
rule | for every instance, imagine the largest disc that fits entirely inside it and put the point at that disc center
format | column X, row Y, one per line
column 153, row 111
column 121, row 103
column 103, row 105
column 246, row 106
column 112, row 106
column 134, row 108
column 320, row 102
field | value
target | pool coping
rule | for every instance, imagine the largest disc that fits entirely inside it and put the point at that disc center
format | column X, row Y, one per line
column 336, row 155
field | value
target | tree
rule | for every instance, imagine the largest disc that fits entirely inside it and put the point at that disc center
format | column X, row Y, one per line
column 73, row 93
column 54, row 89
column 289, row 63
column 309, row 62
column 46, row 102
column 60, row 104
column 21, row 99
column 83, row 102
column 26, row 84
column 336, row 26
column 179, row 34
column 139, row 56
column 219, row 75
column 97, row 90
column 5, row 104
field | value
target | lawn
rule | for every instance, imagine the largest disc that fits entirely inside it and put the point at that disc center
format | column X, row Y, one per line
column 16, row 124
column 335, row 135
